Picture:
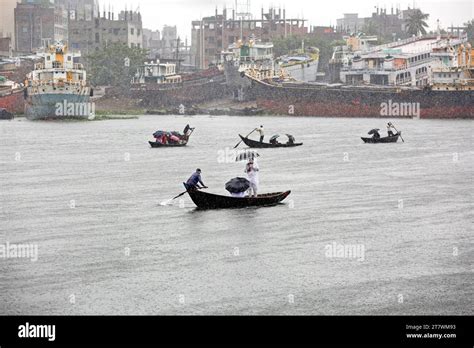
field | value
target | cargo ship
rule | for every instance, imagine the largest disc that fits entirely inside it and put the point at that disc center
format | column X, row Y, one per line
column 411, row 79
column 11, row 96
column 57, row 88
column 158, row 84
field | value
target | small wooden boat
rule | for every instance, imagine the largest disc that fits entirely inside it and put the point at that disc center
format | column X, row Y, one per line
column 155, row 144
column 258, row 145
column 181, row 139
column 392, row 139
column 205, row 200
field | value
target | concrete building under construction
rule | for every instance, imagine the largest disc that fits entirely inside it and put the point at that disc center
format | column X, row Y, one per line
column 212, row 35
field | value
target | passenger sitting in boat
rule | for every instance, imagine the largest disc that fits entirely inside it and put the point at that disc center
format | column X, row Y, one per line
column 291, row 140
column 376, row 135
column 274, row 141
column 162, row 139
column 195, row 179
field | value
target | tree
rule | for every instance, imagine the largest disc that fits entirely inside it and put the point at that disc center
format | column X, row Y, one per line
column 416, row 23
column 107, row 67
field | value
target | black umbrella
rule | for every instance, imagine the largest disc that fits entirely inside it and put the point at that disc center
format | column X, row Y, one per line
column 237, row 185
column 246, row 155
column 373, row 131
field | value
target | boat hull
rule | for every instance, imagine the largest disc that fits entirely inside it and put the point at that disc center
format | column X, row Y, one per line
column 313, row 100
column 12, row 100
column 47, row 106
column 258, row 145
column 306, row 72
column 204, row 200
column 155, row 144
column 385, row 140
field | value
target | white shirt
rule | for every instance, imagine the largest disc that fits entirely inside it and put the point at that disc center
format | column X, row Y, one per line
column 253, row 173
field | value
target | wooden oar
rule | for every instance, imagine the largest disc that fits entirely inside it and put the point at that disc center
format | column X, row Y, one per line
column 181, row 194
column 245, row 138
column 398, row 132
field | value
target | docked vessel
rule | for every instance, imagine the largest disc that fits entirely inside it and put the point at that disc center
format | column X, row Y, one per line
column 302, row 65
column 254, row 58
column 57, row 88
column 408, row 80
column 11, row 96
column 158, row 84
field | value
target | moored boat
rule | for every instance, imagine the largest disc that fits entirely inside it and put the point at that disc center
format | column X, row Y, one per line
column 260, row 145
column 57, row 87
column 204, row 200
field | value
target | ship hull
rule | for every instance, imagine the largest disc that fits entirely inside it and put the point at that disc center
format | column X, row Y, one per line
column 313, row 100
column 307, row 72
column 12, row 101
column 56, row 106
column 174, row 96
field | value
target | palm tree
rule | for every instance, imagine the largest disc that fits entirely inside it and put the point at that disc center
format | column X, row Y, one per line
column 416, row 23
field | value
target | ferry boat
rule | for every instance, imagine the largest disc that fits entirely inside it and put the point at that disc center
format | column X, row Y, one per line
column 253, row 58
column 387, row 81
column 159, row 84
column 57, row 88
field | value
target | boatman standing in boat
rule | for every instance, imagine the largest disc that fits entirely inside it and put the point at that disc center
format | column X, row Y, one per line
column 252, row 173
column 389, row 129
column 262, row 133
column 194, row 181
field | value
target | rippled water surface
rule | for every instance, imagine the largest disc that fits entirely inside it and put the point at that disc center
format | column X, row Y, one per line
column 88, row 194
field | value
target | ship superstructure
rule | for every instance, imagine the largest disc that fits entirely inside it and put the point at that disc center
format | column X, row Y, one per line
column 57, row 88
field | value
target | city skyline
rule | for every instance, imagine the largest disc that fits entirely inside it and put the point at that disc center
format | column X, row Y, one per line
column 156, row 14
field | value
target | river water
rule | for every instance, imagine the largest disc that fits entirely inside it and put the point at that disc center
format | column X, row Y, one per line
column 88, row 195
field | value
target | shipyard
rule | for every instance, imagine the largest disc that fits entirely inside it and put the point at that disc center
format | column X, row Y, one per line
column 166, row 165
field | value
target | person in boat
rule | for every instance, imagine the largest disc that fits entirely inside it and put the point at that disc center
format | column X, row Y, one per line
column 194, row 181
column 291, row 140
column 251, row 169
column 274, row 141
column 261, row 132
column 376, row 135
column 389, row 130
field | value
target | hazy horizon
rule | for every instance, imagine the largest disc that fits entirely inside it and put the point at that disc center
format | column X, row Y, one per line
column 156, row 14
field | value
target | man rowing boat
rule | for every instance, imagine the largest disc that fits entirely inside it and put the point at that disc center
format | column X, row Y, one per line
column 194, row 181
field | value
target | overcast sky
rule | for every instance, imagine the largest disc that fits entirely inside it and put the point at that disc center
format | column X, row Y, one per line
column 156, row 13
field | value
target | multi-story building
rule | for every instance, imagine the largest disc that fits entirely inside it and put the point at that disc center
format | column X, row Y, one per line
column 350, row 23
column 382, row 23
column 90, row 33
column 213, row 35
column 7, row 19
column 38, row 24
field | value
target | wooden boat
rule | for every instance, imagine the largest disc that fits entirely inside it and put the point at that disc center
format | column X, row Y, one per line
column 259, row 145
column 183, row 139
column 392, row 139
column 205, row 200
column 156, row 144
